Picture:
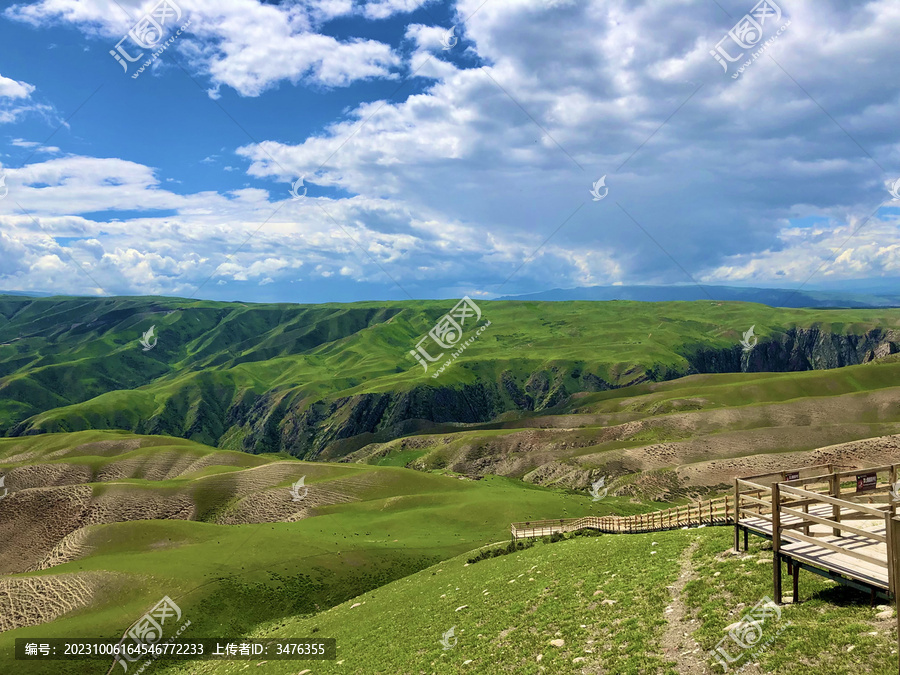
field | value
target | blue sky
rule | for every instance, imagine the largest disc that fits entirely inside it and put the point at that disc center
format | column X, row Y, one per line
column 434, row 172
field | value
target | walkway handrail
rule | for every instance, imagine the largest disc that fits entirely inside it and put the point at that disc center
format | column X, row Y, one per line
column 719, row 511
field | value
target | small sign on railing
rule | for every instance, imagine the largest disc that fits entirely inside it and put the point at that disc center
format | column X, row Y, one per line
column 791, row 475
column 866, row 482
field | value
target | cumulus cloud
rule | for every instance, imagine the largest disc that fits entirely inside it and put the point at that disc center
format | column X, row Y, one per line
column 488, row 163
column 219, row 235
column 245, row 44
column 572, row 91
column 16, row 101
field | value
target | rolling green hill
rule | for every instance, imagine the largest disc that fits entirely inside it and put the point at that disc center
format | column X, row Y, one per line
column 327, row 380
column 644, row 603
column 99, row 524
column 136, row 474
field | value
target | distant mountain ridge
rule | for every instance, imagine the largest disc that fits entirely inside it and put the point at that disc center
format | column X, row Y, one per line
column 773, row 297
column 322, row 381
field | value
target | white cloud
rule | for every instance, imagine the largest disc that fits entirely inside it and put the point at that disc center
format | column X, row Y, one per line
column 13, row 89
column 465, row 178
column 382, row 9
column 15, row 100
column 244, row 44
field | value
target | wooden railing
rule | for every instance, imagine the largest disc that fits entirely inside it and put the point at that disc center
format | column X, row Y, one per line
column 753, row 494
column 868, row 498
column 718, row 511
column 787, row 505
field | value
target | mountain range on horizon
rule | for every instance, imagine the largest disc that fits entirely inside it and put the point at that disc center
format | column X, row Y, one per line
column 868, row 297
column 773, row 297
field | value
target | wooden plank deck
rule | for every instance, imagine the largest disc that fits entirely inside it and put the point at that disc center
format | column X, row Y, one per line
column 752, row 506
column 854, row 568
column 822, row 557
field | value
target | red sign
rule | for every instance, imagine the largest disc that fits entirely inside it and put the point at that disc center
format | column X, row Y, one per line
column 866, row 481
column 791, row 475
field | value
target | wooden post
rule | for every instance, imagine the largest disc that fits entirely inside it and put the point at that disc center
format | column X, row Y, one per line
column 891, row 554
column 834, row 489
column 776, row 541
column 893, row 479
column 737, row 517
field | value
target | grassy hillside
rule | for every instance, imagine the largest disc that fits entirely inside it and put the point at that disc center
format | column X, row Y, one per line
column 99, row 524
column 650, row 603
column 308, row 379
column 672, row 438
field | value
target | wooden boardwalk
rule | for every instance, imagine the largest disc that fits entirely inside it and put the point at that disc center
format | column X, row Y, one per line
column 710, row 512
column 839, row 524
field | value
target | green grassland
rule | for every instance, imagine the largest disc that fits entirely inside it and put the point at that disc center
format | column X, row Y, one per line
column 228, row 578
column 514, row 605
column 698, row 418
column 153, row 448
column 69, row 364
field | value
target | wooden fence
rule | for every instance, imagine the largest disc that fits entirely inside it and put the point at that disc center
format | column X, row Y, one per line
column 718, row 511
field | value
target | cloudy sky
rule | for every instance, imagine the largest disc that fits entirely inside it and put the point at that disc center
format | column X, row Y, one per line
column 439, row 162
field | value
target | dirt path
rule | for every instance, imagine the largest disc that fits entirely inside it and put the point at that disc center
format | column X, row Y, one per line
column 677, row 643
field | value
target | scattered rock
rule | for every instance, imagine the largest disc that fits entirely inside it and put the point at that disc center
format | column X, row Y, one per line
column 355, row 604
column 597, row 592
column 608, row 602
column 461, row 607
column 887, row 613
column 558, row 642
column 539, row 657
column 578, row 659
